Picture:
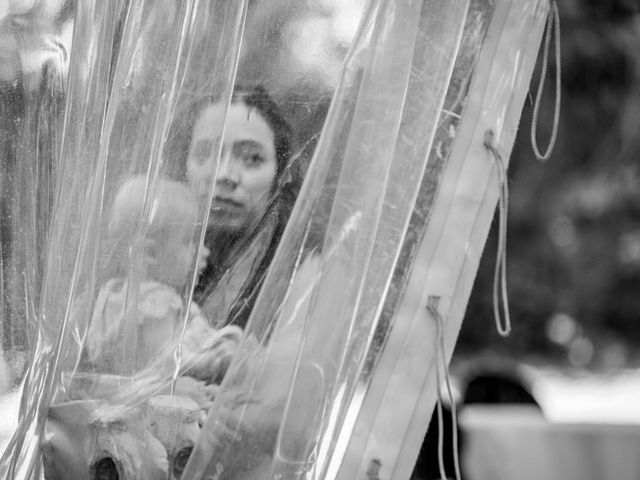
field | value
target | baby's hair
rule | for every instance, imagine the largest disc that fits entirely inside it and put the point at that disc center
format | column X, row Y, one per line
column 172, row 209
column 172, row 205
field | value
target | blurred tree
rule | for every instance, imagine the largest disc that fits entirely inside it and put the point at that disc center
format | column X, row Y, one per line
column 574, row 222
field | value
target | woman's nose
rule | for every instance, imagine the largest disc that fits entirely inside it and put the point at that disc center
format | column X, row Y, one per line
column 228, row 174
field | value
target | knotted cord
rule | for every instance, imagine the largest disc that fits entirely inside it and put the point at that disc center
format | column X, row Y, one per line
column 500, row 273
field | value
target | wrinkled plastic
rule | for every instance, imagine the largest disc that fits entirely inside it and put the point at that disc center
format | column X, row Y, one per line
column 132, row 81
column 34, row 51
column 327, row 378
column 124, row 85
column 446, row 260
column 307, row 339
column 34, row 58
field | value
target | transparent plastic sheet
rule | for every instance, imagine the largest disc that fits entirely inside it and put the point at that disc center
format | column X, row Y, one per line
column 124, row 85
column 283, row 402
column 310, row 391
column 34, row 57
column 143, row 69
column 447, row 257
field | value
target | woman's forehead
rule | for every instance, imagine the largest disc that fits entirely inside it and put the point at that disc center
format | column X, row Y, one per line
column 243, row 124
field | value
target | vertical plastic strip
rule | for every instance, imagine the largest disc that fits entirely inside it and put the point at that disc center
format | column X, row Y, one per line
column 90, row 67
column 436, row 46
column 306, row 347
column 116, row 123
column 448, row 256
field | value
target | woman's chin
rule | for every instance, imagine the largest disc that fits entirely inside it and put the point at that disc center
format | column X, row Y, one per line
column 224, row 221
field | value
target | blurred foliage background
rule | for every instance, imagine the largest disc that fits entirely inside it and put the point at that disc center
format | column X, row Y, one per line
column 573, row 252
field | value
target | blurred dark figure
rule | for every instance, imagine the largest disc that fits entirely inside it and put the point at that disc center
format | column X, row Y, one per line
column 498, row 388
column 491, row 381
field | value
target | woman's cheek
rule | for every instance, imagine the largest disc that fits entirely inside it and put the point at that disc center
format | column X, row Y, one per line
column 199, row 175
column 263, row 181
column 198, row 182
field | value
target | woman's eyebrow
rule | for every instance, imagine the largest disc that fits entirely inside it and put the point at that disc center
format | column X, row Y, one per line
column 246, row 143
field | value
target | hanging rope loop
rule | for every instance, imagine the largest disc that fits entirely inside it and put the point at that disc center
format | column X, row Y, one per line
column 441, row 361
column 500, row 273
column 553, row 27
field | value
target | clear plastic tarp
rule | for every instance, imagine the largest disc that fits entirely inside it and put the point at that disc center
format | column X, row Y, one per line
column 186, row 320
column 35, row 43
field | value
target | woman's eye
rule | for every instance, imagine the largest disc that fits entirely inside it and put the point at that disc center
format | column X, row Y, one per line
column 254, row 159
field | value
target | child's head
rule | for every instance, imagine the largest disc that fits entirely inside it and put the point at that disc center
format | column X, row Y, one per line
column 166, row 238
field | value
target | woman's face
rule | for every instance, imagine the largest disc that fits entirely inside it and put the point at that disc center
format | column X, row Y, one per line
column 247, row 169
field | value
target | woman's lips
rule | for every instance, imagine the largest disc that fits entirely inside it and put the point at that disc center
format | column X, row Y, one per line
column 226, row 204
